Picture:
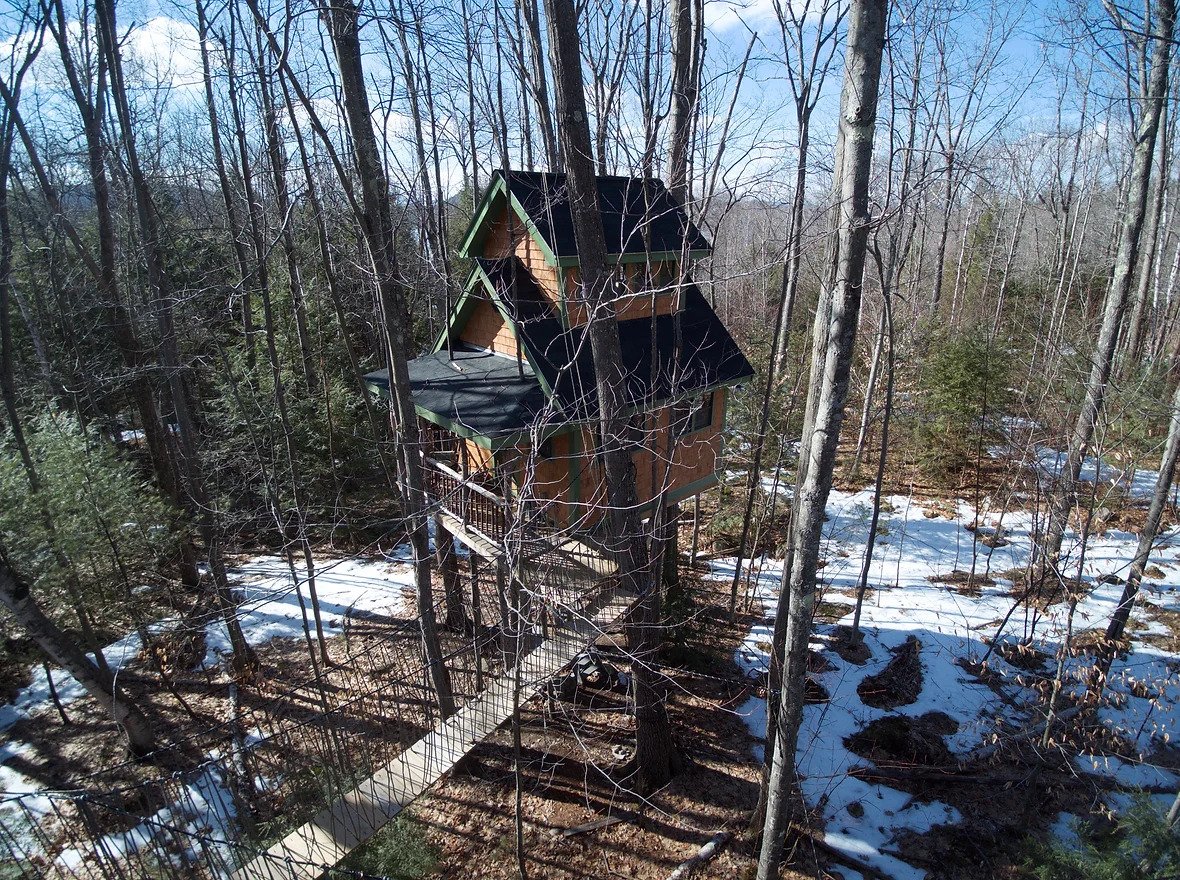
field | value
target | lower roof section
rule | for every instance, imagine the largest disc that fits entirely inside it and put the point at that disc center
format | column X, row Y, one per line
column 474, row 393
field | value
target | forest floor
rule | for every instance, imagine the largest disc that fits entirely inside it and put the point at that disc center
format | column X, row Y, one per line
column 879, row 753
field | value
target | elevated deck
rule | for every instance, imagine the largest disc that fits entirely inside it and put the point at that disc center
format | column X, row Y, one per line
column 579, row 599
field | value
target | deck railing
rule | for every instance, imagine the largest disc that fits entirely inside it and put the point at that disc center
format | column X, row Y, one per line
column 556, row 567
column 466, row 500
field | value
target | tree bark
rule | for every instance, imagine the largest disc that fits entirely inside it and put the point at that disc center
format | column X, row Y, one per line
column 1159, row 500
column 1126, row 260
column 656, row 757
column 200, row 503
column 341, row 19
column 867, row 21
column 98, row 682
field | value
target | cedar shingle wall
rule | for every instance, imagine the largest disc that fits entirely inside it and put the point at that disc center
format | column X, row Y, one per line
column 627, row 307
column 694, row 458
column 499, row 244
column 486, row 328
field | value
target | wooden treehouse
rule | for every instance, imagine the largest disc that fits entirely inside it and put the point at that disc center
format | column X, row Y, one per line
column 506, row 398
column 507, row 406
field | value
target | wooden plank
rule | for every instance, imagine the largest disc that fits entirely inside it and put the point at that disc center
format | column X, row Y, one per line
column 310, row 850
column 469, row 538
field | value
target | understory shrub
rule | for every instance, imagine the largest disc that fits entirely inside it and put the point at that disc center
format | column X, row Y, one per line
column 399, row 851
column 963, row 392
column 1142, row 847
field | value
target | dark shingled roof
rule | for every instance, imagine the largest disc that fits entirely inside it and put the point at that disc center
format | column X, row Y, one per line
column 708, row 356
column 624, row 202
column 483, row 392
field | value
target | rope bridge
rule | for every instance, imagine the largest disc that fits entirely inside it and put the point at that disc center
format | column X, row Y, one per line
column 323, row 842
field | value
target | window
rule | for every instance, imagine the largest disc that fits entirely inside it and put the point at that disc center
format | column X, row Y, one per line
column 545, row 450
column 699, row 416
column 663, row 277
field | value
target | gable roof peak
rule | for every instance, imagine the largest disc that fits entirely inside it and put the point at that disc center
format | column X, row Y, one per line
column 639, row 215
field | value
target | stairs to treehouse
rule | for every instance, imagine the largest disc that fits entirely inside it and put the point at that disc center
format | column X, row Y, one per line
column 580, row 600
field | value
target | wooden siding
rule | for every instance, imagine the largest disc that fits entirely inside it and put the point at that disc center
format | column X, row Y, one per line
column 569, row 481
column 477, row 457
column 486, row 328
column 502, row 242
column 694, row 457
column 627, row 306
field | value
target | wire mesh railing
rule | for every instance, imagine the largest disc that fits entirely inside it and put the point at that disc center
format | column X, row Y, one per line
column 238, row 785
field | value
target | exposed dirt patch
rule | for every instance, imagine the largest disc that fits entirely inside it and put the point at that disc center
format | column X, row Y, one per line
column 1022, row 655
column 570, row 762
column 1169, row 641
column 899, row 683
column 847, row 648
column 902, row 741
column 964, row 582
column 1091, row 641
column 830, row 612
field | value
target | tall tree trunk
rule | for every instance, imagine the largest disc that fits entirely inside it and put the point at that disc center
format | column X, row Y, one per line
column 1159, row 500
column 656, row 757
column 64, row 651
column 341, row 18
column 91, row 105
column 686, row 47
column 1126, row 260
column 200, row 503
column 867, row 21
column 1136, row 323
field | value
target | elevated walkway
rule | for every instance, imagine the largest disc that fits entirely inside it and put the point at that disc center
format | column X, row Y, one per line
column 582, row 600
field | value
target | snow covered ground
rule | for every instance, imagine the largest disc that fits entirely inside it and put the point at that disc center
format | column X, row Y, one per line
column 269, row 610
column 915, row 544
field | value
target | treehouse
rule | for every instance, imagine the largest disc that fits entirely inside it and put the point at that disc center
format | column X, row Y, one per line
column 507, row 397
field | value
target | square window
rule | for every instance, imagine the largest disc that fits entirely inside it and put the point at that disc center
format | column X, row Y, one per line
column 699, row 417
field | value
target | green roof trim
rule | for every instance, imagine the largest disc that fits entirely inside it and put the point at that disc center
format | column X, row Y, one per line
column 647, row 257
column 467, row 303
column 477, row 229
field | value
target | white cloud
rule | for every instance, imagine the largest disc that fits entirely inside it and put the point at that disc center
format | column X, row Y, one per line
column 167, row 51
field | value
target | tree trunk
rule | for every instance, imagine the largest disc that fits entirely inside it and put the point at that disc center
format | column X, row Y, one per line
column 1126, row 260
column 1159, row 500
column 867, row 21
column 99, row 683
column 686, row 42
column 448, row 569
column 341, row 18
column 1136, row 324
column 161, row 297
column 656, row 757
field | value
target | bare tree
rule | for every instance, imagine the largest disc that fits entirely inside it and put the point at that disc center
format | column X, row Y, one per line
column 64, row 651
column 342, row 21
column 656, row 757
column 867, row 21
column 1151, row 40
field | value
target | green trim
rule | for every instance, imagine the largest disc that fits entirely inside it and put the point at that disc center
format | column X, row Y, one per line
column 461, row 308
column 643, row 257
column 675, row 496
column 561, row 297
column 531, row 225
column 455, row 428
column 477, row 231
column 477, row 219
